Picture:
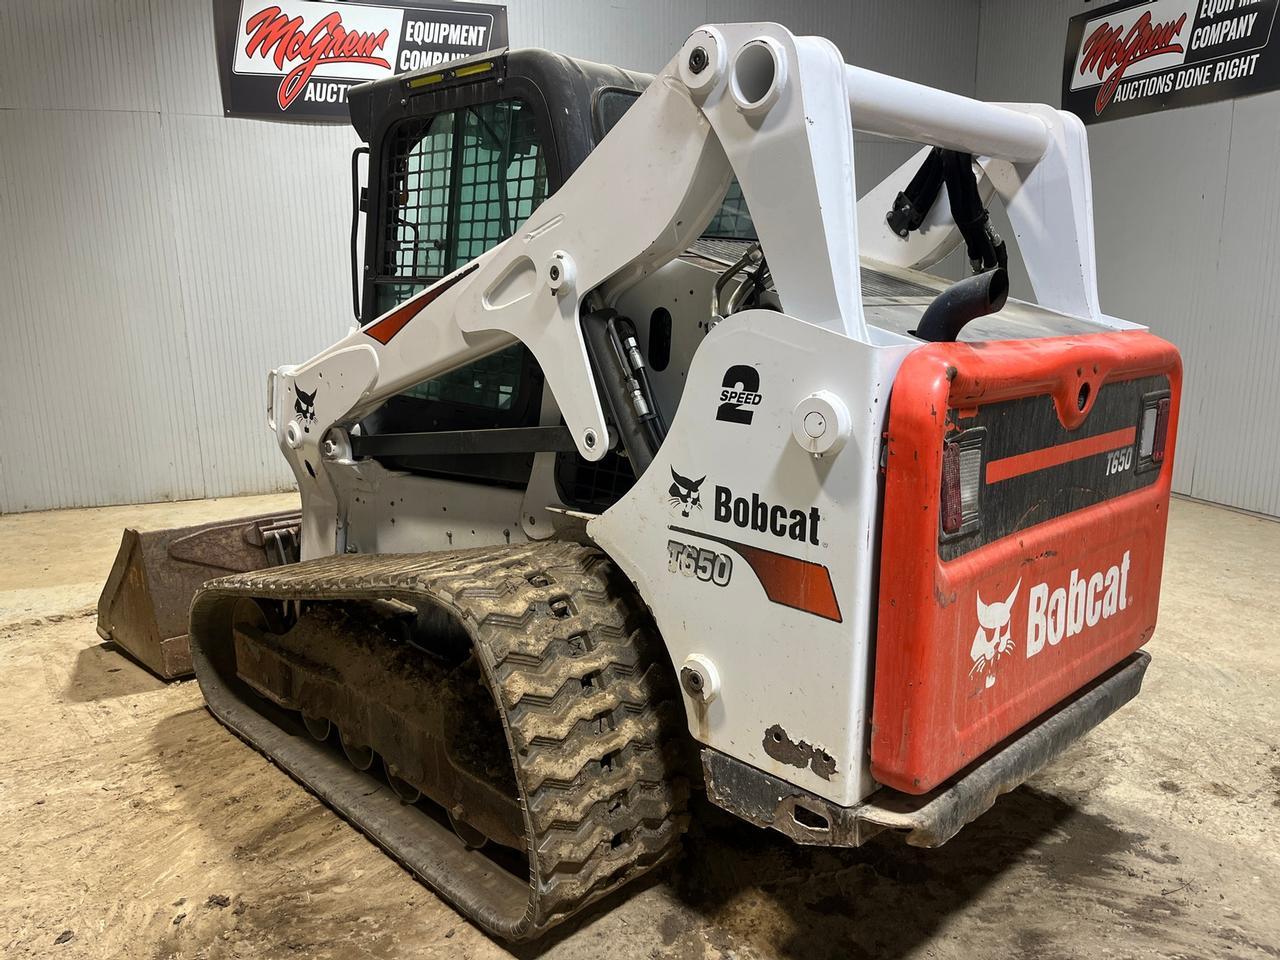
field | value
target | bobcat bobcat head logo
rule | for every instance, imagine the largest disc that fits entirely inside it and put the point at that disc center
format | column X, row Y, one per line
column 987, row 647
column 684, row 493
column 305, row 406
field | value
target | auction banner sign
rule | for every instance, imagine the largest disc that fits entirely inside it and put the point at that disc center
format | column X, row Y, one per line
column 296, row 59
column 1132, row 57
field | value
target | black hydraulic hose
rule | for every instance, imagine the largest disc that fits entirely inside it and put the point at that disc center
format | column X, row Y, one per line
column 626, row 339
column 973, row 297
column 955, row 170
column 612, row 376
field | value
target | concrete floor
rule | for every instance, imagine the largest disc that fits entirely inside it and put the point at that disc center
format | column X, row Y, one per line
column 133, row 825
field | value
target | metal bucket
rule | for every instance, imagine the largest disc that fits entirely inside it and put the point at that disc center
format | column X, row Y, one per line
column 144, row 603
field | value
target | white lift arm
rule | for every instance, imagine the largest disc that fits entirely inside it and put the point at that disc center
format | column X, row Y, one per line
column 892, row 107
column 750, row 100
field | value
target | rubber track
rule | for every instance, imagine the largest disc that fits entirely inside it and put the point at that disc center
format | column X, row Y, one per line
column 585, row 692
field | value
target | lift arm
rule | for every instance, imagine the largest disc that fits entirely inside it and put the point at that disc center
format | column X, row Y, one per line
column 750, row 100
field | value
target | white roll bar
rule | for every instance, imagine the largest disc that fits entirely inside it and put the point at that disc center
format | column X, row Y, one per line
column 897, row 108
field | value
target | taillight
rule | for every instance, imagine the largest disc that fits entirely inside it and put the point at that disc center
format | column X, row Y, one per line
column 961, row 482
column 1153, row 432
column 1162, row 431
column 952, row 511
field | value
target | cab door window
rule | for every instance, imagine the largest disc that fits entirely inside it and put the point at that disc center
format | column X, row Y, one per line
column 456, row 184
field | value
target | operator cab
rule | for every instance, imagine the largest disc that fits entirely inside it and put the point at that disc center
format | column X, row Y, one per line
column 459, row 157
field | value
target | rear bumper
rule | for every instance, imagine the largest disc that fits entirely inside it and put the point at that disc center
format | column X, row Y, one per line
column 931, row 819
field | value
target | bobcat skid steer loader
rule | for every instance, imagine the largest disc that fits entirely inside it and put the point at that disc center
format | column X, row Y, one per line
column 658, row 462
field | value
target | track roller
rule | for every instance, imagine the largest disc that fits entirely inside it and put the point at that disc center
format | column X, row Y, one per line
column 318, row 727
column 403, row 789
column 360, row 757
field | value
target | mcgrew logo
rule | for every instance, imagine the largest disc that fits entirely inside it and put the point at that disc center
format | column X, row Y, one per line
column 1109, row 51
column 1083, row 603
column 274, row 34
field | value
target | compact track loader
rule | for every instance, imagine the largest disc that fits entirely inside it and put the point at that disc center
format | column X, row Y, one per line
column 657, row 462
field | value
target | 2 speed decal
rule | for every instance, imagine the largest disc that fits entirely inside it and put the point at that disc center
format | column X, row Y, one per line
column 739, row 394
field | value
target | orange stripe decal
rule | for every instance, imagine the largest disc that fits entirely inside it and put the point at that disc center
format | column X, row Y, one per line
column 1034, row 460
column 386, row 328
column 789, row 581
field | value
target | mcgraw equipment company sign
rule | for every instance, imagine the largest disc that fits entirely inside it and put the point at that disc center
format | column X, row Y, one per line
column 296, row 59
column 1130, row 58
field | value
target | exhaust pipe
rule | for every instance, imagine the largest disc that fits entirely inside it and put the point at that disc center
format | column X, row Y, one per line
column 973, row 297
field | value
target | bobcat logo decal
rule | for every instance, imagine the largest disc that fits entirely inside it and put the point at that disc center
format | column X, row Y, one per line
column 684, row 493
column 305, row 407
column 988, row 647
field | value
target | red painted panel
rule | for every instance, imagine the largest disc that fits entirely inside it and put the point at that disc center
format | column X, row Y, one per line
column 970, row 650
column 385, row 329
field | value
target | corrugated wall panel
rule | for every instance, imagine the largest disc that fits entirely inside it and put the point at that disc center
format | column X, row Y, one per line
column 148, row 297
column 96, row 365
column 262, row 249
column 1157, row 227
column 929, row 41
column 643, row 35
column 77, row 54
column 636, row 34
column 1238, row 453
column 186, row 58
column 1187, row 217
column 803, row 17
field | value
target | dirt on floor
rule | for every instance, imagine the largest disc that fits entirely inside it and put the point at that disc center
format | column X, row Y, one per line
column 133, row 825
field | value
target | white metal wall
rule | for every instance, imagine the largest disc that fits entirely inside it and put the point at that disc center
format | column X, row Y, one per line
column 157, row 258
column 1187, row 210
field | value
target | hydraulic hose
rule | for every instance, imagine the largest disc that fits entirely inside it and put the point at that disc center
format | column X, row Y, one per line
column 612, row 375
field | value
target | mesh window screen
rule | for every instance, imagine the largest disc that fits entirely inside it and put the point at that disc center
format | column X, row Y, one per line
column 459, row 183
column 502, row 177
column 416, row 231
column 491, row 381
column 733, row 220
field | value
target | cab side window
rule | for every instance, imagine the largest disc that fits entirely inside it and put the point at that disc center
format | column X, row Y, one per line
column 454, row 185
column 731, row 222
column 457, row 184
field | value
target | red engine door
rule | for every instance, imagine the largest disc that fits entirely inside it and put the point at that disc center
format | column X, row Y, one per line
column 1026, row 496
